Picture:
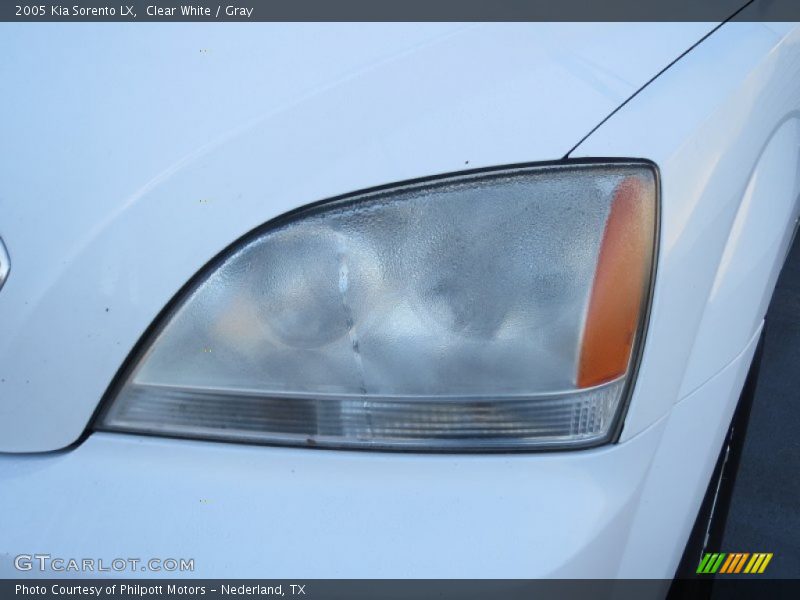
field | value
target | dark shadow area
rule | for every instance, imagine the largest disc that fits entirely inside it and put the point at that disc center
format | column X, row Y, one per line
column 764, row 514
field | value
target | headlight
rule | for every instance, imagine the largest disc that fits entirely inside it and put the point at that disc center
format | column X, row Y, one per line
column 495, row 310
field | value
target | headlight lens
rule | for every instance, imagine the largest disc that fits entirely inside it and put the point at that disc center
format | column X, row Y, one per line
column 498, row 310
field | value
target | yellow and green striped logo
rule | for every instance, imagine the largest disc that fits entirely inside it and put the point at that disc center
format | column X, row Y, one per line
column 734, row 562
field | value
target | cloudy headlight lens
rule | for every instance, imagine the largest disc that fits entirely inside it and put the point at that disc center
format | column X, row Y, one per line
column 497, row 310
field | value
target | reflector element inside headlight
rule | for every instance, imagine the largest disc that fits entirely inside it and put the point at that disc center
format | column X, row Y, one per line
column 497, row 310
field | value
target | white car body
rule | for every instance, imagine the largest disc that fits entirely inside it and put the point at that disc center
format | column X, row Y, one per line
column 132, row 155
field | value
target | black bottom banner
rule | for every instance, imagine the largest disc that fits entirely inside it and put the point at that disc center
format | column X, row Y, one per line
column 390, row 589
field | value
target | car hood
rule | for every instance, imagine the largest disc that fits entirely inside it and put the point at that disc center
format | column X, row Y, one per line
column 134, row 153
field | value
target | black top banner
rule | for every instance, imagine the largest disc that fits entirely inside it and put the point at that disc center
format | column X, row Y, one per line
column 399, row 10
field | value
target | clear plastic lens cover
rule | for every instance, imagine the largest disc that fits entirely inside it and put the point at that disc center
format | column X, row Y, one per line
column 449, row 314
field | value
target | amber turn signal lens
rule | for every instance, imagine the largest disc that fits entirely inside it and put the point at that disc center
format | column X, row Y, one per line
column 620, row 285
